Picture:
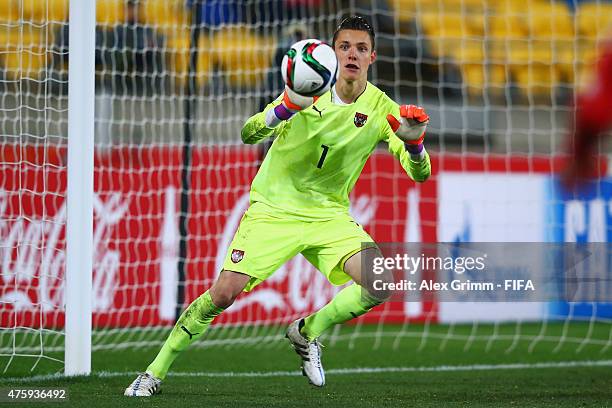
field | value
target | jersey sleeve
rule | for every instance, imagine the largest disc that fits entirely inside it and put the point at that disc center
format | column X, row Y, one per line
column 417, row 170
column 255, row 129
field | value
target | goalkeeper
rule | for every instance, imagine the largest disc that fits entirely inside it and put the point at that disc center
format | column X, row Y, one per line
column 300, row 204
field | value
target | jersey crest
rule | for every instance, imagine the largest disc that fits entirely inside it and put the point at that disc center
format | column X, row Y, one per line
column 237, row 255
column 360, row 119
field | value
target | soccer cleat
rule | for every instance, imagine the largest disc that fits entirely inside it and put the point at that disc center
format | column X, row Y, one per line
column 144, row 385
column 309, row 352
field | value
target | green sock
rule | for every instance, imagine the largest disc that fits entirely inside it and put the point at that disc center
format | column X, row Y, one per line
column 190, row 326
column 346, row 305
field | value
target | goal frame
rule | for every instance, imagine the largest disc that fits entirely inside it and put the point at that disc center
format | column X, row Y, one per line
column 79, row 218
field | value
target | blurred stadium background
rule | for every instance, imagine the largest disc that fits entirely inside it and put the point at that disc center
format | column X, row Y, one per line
column 497, row 77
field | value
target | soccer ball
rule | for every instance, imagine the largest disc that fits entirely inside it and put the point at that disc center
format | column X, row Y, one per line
column 309, row 68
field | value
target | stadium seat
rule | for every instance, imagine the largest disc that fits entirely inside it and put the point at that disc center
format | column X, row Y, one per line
column 594, row 19
column 532, row 69
column 594, row 23
column 470, row 61
column 24, row 63
column 588, row 51
column 535, row 80
column 110, row 12
column 23, row 51
column 236, row 51
column 528, row 49
column 242, row 54
column 8, row 37
column 9, row 10
column 467, row 5
column 551, row 26
column 445, row 30
column 48, row 10
column 407, row 10
column 515, row 7
column 469, row 54
column 506, row 31
column 177, row 54
column 586, row 63
column 205, row 61
column 550, row 21
column 166, row 16
column 586, row 57
column 457, row 37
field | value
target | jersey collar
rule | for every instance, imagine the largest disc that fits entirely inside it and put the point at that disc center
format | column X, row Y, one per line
column 335, row 99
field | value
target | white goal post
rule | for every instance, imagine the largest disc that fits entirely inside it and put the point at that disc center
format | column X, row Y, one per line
column 80, row 189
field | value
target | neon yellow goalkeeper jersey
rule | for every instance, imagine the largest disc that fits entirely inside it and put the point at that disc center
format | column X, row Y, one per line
column 318, row 154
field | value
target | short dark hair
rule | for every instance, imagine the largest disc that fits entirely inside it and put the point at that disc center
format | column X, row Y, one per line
column 354, row 23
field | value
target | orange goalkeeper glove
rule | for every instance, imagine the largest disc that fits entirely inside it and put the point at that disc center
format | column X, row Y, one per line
column 296, row 102
column 410, row 127
column 291, row 104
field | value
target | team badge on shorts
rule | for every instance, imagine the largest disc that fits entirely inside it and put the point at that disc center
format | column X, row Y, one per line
column 360, row 119
column 237, row 255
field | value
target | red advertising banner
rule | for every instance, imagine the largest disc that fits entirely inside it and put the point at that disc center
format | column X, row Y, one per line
column 136, row 208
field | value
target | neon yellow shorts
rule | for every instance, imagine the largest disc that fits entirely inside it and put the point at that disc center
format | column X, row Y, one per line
column 264, row 241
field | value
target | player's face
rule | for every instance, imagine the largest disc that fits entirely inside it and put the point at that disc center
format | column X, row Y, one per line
column 355, row 54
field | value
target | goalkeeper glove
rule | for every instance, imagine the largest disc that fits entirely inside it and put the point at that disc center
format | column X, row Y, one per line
column 410, row 128
column 296, row 102
column 292, row 103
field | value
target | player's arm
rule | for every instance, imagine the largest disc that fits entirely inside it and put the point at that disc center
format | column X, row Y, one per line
column 264, row 124
column 406, row 136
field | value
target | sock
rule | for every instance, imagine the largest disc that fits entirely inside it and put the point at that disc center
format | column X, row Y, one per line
column 349, row 303
column 190, row 326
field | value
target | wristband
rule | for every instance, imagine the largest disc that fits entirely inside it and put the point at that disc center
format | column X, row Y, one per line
column 282, row 112
column 275, row 116
column 416, row 151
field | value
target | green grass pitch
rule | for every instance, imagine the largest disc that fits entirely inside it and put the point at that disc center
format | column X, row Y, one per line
column 451, row 366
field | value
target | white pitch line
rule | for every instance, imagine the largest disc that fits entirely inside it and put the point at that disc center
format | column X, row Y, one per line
column 337, row 371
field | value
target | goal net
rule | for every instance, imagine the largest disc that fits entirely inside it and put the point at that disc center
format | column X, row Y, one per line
column 175, row 81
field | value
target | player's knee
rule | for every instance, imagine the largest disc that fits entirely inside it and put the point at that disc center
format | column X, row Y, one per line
column 223, row 298
column 380, row 295
column 223, row 295
column 378, row 287
column 227, row 288
column 375, row 282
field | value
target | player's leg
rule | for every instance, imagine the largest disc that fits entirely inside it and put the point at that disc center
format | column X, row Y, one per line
column 194, row 320
column 350, row 302
column 353, row 300
column 190, row 326
column 261, row 244
column 338, row 248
